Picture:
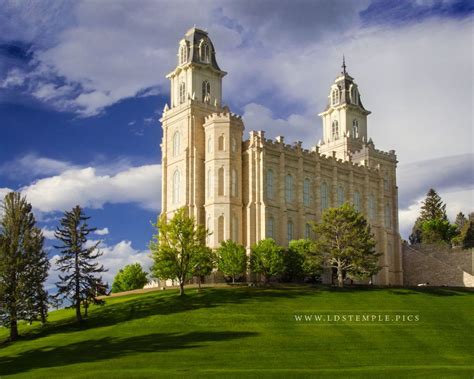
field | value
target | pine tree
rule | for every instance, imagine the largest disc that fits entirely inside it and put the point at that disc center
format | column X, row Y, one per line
column 460, row 221
column 23, row 264
column 77, row 261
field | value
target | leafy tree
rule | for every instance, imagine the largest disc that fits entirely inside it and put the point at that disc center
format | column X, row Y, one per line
column 344, row 239
column 23, row 265
column 467, row 235
column 77, row 261
column 204, row 262
column 232, row 259
column 131, row 277
column 175, row 247
column 302, row 260
column 437, row 230
column 267, row 258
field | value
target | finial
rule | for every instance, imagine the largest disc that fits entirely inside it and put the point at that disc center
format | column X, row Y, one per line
column 343, row 64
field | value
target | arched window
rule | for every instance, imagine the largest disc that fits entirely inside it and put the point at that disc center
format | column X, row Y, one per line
column 206, row 91
column 204, row 52
column 372, row 207
column 220, row 229
column 357, row 201
column 355, row 129
column 209, row 183
column 335, row 96
column 306, row 192
column 270, row 222
column 183, row 54
column 234, row 144
column 176, row 138
column 176, row 187
column 335, row 130
column 386, row 182
column 388, row 215
column 354, row 95
column 270, row 184
column 209, row 145
column 307, row 231
column 233, row 183
column 289, row 188
column 182, row 93
column 221, row 143
column 340, row 196
column 290, row 230
column 324, row 196
column 220, row 184
column 235, row 228
column 209, row 229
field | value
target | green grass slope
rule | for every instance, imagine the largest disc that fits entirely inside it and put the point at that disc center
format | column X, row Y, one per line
column 252, row 332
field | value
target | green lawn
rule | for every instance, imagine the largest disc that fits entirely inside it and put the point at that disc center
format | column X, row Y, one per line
column 252, row 332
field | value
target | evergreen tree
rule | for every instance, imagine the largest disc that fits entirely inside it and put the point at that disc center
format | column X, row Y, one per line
column 467, row 235
column 268, row 259
column 131, row 277
column 23, row 265
column 176, row 246
column 232, row 259
column 346, row 243
column 77, row 262
column 460, row 222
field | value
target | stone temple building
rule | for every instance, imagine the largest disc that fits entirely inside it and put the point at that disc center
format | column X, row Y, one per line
column 248, row 190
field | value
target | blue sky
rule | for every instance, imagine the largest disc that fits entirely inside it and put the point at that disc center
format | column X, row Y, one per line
column 82, row 88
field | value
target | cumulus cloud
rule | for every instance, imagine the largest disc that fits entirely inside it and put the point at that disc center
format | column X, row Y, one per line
column 102, row 232
column 48, row 233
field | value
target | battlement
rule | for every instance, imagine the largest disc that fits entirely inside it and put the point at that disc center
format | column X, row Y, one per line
column 225, row 115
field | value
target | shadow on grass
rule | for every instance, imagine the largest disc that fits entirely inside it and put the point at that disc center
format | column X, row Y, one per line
column 109, row 347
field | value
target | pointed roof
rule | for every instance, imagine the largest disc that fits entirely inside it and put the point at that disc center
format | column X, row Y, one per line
column 194, row 36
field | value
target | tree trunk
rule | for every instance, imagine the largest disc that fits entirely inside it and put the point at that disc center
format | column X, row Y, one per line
column 233, row 279
column 181, row 288
column 199, row 284
column 13, row 330
column 340, row 278
column 78, row 288
column 78, row 310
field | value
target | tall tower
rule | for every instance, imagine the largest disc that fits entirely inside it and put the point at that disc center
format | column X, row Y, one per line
column 344, row 119
column 196, row 92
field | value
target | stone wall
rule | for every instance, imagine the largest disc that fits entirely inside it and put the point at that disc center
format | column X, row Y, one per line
column 437, row 266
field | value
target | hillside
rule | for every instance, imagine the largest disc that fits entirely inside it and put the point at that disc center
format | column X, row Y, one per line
column 243, row 331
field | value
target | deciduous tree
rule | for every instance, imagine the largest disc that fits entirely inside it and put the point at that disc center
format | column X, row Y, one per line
column 267, row 258
column 131, row 277
column 232, row 259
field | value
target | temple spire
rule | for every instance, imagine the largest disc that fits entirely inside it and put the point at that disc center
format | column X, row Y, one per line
column 343, row 64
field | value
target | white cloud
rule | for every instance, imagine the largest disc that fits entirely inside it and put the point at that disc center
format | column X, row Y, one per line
column 48, row 233
column 14, row 78
column 31, row 165
column 102, row 232
column 3, row 192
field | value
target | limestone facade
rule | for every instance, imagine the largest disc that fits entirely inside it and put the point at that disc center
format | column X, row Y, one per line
column 248, row 190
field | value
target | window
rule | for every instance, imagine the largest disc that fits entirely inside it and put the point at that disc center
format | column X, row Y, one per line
column 209, row 183
column 206, row 91
column 307, row 231
column 290, row 231
column 289, row 188
column 335, row 96
column 354, row 96
column 234, row 144
column 324, row 196
column 204, row 52
column 182, row 93
column 335, row 130
column 208, row 226
column 372, row 207
column 270, row 222
column 388, row 215
column 233, row 185
column 183, row 54
column 235, row 228
column 221, row 142
column 209, row 145
column 355, row 129
column 306, row 192
column 357, row 201
column 270, row 184
column 220, row 229
column 340, row 196
column 386, row 182
column 176, row 143
column 220, row 184
column 176, row 187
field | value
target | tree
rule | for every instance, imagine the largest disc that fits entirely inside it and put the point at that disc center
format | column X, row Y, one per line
column 203, row 262
column 267, row 258
column 460, row 221
column 467, row 235
column 302, row 260
column 131, row 277
column 437, row 230
column 346, row 243
column 77, row 261
column 232, row 259
column 23, row 265
column 175, row 246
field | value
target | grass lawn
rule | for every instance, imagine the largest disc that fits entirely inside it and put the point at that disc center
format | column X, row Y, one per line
column 248, row 331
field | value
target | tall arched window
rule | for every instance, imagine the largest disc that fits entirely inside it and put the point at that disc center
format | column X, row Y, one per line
column 307, row 231
column 335, row 130
column 335, row 96
column 204, row 52
column 289, row 188
column 206, row 91
column 234, row 144
column 290, row 231
column 235, row 228
column 220, row 182
column 209, row 229
column 209, row 145
column 354, row 95
column 355, row 129
column 209, row 183
column 176, row 187
column 176, row 138
column 386, row 182
column 220, row 229
column 182, row 93
column 324, row 196
column 233, row 183
column 307, row 192
column 372, row 207
column 270, row 222
column 221, row 143
column 270, row 184
column 357, row 201
column 340, row 196
column 388, row 215
column 183, row 54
